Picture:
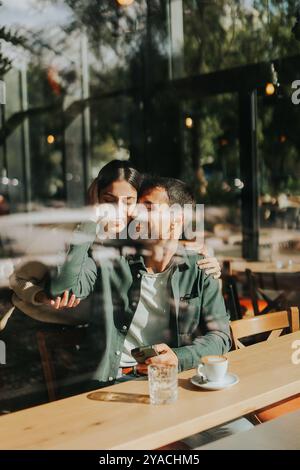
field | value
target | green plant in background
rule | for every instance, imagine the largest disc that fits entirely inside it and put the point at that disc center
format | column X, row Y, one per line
column 8, row 36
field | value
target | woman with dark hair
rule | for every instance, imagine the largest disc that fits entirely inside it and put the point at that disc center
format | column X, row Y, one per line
column 116, row 187
column 117, row 183
column 48, row 327
column 113, row 173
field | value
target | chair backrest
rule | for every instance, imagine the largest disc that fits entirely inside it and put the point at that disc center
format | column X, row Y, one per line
column 282, row 282
column 274, row 323
column 231, row 297
column 253, row 286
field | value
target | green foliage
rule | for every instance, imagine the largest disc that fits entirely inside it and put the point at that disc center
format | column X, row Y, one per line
column 12, row 38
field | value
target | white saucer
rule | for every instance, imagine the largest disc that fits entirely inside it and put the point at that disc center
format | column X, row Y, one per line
column 228, row 381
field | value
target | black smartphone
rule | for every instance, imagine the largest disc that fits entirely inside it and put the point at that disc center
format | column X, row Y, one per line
column 143, row 353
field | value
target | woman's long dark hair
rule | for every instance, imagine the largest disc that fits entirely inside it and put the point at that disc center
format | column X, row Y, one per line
column 114, row 171
column 118, row 170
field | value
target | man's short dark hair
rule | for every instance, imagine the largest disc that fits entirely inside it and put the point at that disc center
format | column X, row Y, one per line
column 178, row 191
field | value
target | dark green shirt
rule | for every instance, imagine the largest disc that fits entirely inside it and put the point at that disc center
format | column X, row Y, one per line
column 199, row 323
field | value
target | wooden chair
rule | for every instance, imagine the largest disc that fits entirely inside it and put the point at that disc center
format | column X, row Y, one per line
column 274, row 323
column 273, row 288
column 49, row 343
column 237, row 305
column 232, row 299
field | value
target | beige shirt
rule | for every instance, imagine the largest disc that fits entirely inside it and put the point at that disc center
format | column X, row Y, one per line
column 26, row 281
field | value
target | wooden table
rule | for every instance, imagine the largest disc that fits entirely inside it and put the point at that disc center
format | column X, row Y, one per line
column 263, row 267
column 269, row 236
column 120, row 416
column 278, row 434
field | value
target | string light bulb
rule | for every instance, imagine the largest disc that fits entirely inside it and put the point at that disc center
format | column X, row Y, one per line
column 282, row 139
column 189, row 122
column 270, row 89
column 50, row 139
column 125, row 3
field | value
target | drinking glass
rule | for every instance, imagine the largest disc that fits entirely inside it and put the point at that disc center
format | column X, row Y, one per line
column 163, row 384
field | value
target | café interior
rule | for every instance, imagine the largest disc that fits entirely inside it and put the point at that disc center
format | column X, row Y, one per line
column 203, row 91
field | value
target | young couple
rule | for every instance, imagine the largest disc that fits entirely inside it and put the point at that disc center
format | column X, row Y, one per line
column 162, row 296
column 156, row 297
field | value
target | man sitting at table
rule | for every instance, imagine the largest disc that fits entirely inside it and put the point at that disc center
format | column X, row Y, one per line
column 162, row 299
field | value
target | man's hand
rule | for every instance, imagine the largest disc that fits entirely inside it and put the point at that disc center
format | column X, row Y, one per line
column 60, row 302
column 166, row 357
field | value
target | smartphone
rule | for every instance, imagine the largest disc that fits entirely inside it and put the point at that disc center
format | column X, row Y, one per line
column 143, row 353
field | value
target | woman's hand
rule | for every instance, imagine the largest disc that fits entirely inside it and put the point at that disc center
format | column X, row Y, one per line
column 60, row 302
column 210, row 264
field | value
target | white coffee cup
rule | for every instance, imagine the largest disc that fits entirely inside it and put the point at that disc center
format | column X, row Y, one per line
column 213, row 368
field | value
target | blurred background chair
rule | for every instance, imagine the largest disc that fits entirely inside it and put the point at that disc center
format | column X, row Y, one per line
column 277, row 290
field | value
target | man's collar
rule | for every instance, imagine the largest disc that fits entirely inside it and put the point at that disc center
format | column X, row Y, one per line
column 135, row 261
column 184, row 260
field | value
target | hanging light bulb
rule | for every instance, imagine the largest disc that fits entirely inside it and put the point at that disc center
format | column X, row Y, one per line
column 273, row 84
column 125, row 3
column 50, row 139
column 270, row 89
column 189, row 122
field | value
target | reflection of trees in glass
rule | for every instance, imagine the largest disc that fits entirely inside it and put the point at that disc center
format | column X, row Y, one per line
column 223, row 34
column 128, row 50
column 279, row 143
column 110, row 130
column 226, row 33
column 8, row 36
column 118, row 36
column 215, row 123
column 123, row 55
